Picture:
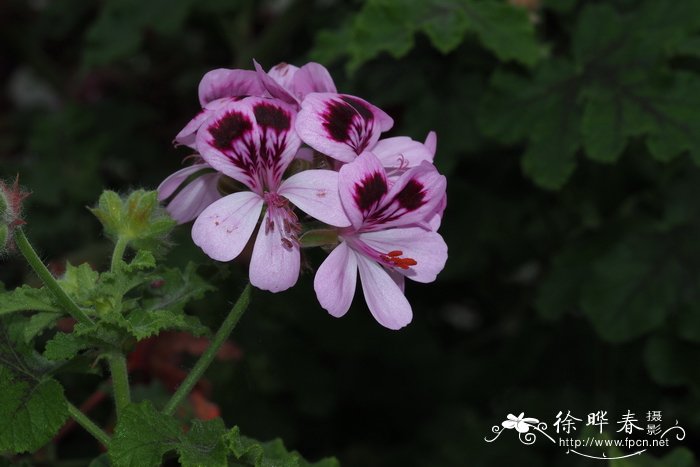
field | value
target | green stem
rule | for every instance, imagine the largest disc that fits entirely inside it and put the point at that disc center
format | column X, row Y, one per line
column 118, row 253
column 47, row 278
column 208, row 356
column 89, row 425
column 120, row 381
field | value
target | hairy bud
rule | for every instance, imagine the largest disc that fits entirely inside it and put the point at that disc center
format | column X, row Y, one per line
column 11, row 197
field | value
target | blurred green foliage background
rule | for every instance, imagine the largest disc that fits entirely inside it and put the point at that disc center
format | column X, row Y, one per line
column 569, row 132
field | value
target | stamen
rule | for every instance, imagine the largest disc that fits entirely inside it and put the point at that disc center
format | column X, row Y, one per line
column 288, row 223
column 393, row 258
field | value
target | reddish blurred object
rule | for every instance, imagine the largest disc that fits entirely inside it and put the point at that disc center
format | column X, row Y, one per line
column 160, row 359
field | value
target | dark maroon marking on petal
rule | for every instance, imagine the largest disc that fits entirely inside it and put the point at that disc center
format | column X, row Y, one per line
column 359, row 106
column 370, row 191
column 337, row 120
column 271, row 116
column 231, row 127
column 412, row 196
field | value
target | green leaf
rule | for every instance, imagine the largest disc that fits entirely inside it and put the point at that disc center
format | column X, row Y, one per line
column 37, row 324
column 173, row 289
column 619, row 86
column 65, row 346
column 79, row 283
column 27, row 298
column 144, row 323
column 505, row 30
column 267, row 454
column 142, row 436
column 388, row 26
column 632, row 288
column 163, row 304
column 33, row 412
column 544, row 111
column 203, row 446
column 143, row 261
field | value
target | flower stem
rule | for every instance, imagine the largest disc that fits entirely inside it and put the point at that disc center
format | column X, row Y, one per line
column 47, row 278
column 208, row 356
column 120, row 381
column 118, row 253
column 89, row 425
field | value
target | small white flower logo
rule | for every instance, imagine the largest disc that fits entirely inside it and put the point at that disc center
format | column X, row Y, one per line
column 522, row 425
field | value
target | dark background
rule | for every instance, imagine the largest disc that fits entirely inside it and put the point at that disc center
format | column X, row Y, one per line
column 569, row 132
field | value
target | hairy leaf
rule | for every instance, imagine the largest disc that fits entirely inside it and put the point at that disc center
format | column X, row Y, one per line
column 32, row 411
column 27, row 298
column 267, row 454
column 202, row 445
column 142, row 436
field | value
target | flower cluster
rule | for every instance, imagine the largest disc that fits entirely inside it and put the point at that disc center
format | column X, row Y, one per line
column 287, row 145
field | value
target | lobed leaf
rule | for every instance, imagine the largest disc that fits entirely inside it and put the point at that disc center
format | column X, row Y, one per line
column 32, row 412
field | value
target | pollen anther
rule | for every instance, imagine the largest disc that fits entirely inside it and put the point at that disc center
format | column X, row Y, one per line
column 393, row 258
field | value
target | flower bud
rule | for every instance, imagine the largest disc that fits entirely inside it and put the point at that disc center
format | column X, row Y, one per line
column 11, row 197
column 137, row 218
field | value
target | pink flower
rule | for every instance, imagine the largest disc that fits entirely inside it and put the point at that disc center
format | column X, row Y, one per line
column 253, row 141
column 197, row 185
column 339, row 125
column 292, row 84
column 401, row 153
column 390, row 239
column 286, row 82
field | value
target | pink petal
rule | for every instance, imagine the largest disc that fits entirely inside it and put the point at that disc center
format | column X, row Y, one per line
column 312, row 77
column 224, row 228
column 223, row 82
column 398, row 278
column 188, row 135
column 274, row 88
column 283, row 74
column 339, row 125
column 316, row 193
column 336, row 279
column 431, row 143
column 385, row 300
column 413, row 198
column 174, row 180
column 435, row 218
column 426, row 248
column 274, row 265
column 194, row 198
column 401, row 152
column 251, row 140
column 362, row 186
